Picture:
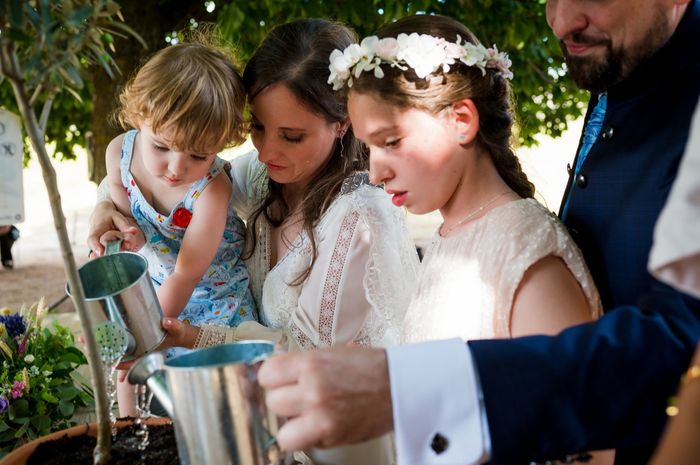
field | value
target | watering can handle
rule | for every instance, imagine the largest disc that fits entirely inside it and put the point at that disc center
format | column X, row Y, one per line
column 113, row 246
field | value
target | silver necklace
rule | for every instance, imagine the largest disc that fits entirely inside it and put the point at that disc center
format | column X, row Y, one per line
column 444, row 232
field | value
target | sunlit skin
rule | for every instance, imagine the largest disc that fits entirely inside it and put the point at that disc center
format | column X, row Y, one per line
column 164, row 171
column 426, row 162
column 591, row 29
column 292, row 141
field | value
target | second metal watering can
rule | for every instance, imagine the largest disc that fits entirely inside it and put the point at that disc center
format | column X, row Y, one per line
column 216, row 404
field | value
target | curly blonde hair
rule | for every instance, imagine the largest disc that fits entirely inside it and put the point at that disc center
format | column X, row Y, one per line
column 193, row 91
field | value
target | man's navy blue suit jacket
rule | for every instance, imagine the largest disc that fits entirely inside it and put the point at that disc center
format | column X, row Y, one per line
column 606, row 384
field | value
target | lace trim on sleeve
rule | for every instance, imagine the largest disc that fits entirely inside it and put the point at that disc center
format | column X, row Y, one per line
column 363, row 338
column 211, row 335
column 304, row 342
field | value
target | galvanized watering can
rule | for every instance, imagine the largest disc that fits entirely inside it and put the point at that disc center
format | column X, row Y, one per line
column 216, row 403
column 123, row 303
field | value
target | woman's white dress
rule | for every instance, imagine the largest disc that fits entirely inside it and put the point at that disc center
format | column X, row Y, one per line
column 467, row 282
column 358, row 290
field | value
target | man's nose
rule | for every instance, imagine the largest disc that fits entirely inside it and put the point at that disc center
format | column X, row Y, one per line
column 565, row 17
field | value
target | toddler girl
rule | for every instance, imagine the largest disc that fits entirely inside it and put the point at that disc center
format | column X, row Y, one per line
column 185, row 104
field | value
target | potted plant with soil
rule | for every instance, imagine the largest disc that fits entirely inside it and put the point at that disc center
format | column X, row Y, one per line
column 45, row 47
column 39, row 385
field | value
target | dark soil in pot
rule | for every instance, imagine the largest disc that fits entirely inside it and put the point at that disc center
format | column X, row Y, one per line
column 77, row 450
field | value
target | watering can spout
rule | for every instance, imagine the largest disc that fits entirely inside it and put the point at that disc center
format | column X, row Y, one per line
column 149, row 370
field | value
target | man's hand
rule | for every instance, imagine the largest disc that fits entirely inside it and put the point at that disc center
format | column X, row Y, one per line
column 331, row 397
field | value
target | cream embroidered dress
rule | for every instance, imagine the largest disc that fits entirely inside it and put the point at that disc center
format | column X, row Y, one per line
column 358, row 290
column 467, row 281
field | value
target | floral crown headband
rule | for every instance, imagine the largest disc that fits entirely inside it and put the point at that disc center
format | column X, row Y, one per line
column 424, row 53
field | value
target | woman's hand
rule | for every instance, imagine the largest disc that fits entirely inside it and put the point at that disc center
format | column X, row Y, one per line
column 106, row 218
column 177, row 334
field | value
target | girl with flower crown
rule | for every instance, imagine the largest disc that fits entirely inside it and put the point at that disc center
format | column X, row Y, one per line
column 185, row 105
column 433, row 106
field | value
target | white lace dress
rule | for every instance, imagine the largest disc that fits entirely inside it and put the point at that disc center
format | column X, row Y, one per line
column 358, row 290
column 467, row 282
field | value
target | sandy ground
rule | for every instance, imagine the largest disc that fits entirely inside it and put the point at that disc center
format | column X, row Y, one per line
column 38, row 262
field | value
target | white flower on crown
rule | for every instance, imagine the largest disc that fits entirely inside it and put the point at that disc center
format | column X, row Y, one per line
column 387, row 48
column 423, row 53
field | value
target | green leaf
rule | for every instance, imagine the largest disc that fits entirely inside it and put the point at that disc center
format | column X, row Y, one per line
column 66, row 408
column 48, row 397
column 22, row 430
column 77, row 96
column 71, row 75
column 77, row 17
column 67, row 392
column 4, row 426
column 16, row 7
column 41, row 422
column 18, row 408
column 7, row 435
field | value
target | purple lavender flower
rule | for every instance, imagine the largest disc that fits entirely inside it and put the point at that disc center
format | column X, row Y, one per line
column 4, row 405
column 14, row 324
column 17, row 389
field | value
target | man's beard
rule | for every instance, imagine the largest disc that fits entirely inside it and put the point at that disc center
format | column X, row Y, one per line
column 598, row 74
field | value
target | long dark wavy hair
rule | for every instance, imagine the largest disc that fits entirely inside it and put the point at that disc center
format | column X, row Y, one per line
column 490, row 92
column 296, row 54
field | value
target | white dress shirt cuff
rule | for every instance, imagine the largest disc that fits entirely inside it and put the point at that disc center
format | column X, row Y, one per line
column 438, row 409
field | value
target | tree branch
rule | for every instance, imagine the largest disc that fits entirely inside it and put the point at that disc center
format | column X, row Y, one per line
column 44, row 118
column 11, row 70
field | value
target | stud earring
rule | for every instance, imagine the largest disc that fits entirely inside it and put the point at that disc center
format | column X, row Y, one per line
column 461, row 138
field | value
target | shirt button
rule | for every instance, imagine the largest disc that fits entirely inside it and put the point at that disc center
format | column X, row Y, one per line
column 581, row 181
column 608, row 132
column 439, row 443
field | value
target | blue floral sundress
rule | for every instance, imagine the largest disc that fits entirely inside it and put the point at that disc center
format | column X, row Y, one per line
column 223, row 295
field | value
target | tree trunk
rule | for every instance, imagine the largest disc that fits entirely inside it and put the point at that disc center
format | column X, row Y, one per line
column 35, row 131
column 143, row 17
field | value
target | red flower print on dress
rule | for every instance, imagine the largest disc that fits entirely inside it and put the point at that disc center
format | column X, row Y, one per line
column 182, row 217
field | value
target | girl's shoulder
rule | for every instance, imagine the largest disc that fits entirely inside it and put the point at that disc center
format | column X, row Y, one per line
column 524, row 215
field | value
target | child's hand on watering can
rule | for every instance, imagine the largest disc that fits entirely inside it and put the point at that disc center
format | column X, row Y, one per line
column 132, row 239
